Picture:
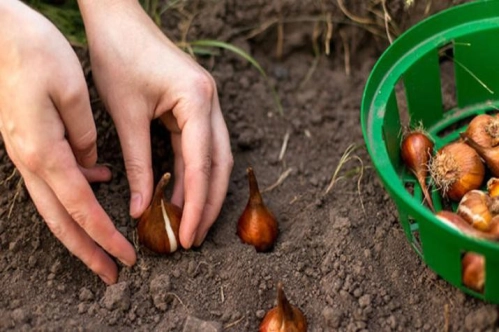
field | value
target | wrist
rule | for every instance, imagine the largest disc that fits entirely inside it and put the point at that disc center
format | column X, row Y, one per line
column 89, row 8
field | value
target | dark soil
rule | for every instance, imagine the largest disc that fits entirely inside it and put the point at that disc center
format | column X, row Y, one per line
column 342, row 256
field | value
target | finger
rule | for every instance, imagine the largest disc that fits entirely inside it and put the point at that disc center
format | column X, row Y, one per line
column 71, row 235
column 72, row 101
column 221, row 167
column 134, row 132
column 79, row 201
column 196, row 151
column 98, row 173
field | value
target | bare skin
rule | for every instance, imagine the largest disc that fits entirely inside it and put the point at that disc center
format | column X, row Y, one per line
column 48, row 129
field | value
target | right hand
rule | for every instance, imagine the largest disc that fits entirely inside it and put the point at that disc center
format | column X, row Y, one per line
column 49, row 133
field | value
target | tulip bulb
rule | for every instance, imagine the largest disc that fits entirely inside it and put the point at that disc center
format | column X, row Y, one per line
column 474, row 208
column 473, row 271
column 257, row 225
column 158, row 227
column 489, row 154
column 415, row 151
column 283, row 318
column 484, row 130
column 457, row 169
column 457, row 222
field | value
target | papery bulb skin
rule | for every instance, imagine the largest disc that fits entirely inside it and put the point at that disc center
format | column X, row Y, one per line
column 484, row 130
column 474, row 208
column 458, row 223
column 473, row 271
column 456, row 169
column 257, row 225
column 493, row 191
column 415, row 151
column 158, row 227
column 284, row 317
column 493, row 187
column 489, row 154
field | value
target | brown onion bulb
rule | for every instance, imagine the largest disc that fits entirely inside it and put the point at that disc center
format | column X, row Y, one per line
column 473, row 271
column 474, row 208
column 457, row 222
column 457, row 169
column 158, row 227
column 415, row 151
column 283, row 318
column 257, row 225
column 493, row 187
column 488, row 154
column 484, row 130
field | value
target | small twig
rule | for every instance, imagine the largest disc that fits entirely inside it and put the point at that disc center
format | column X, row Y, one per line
column 343, row 160
column 472, row 74
column 279, row 181
column 284, row 145
column 13, row 203
column 357, row 19
column 222, row 296
column 329, row 33
column 178, row 298
column 346, row 49
column 310, row 71
column 280, row 33
column 14, row 172
column 387, row 19
column 232, row 324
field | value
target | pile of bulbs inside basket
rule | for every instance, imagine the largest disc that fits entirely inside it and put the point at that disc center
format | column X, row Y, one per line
column 460, row 170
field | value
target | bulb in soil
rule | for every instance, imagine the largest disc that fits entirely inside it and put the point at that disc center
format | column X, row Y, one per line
column 415, row 151
column 257, row 226
column 456, row 169
column 283, row 318
column 158, row 227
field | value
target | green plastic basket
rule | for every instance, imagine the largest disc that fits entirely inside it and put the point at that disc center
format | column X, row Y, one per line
column 470, row 31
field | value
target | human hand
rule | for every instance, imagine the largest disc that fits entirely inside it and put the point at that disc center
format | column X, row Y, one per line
column 141, row 75
column 49, row 133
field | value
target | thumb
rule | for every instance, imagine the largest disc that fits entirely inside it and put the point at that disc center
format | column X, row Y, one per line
column 133, row 129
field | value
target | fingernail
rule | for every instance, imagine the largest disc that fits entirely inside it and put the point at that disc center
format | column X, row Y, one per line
column 200, row 240
column 125, row 262
column 106, row 279
column 135, row 204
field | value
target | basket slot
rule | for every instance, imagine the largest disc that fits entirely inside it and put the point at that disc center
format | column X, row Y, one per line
column 392, row 131
column 476, row 69
column 447, row 77
column 423, row 90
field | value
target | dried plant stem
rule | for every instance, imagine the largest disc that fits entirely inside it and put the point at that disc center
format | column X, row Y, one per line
column 387, row 19
column 346, row 49
column 357, row 19
column 284, row 145
column 13, row 202
column 279, row 181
